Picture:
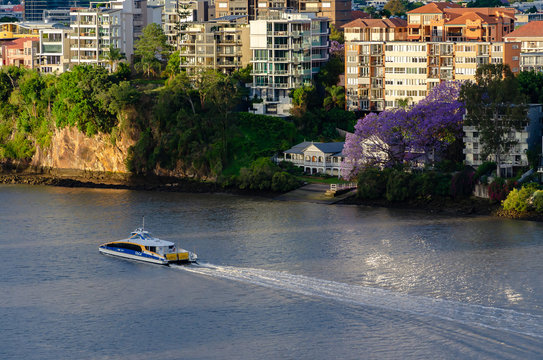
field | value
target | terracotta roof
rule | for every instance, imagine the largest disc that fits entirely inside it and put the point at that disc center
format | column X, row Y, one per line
column 434, row 8
column 531, row 29
column 489, row 11
column 376, row 23
column 461, row 20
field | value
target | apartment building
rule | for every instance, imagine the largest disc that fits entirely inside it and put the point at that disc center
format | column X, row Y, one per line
column 337, row 11
column 19, row 52
column 529, row 138
column 531, row 38
column 20, row 30
column 177, row 12
column 452, row 22
column 288, row 50
column 54, row 50
column 390, row 61
column 94, row 29
column 382, row 74
column 220, row 44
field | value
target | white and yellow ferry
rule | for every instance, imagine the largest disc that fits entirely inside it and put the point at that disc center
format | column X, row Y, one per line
column 142, row 246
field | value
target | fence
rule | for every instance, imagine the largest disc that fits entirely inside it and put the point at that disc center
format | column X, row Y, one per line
column 346, row 186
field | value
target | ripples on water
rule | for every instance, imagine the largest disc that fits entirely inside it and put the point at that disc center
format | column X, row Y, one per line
column 311, row 281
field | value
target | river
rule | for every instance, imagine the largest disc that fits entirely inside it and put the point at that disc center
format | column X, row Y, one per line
column 275, row 280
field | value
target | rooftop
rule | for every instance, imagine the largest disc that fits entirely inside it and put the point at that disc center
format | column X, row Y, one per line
column 531, row 29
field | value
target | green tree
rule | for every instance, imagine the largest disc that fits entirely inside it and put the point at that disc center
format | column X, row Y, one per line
column 300, row 99
column 531, row 86
column 223, row 96
column 495, row 106
column 173, row 67
column 395, row 7
column 151, row 48
column 336, row 35
column 113, row 57
column 335, row 98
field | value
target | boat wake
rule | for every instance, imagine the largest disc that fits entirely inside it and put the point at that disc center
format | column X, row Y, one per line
column 468, row 314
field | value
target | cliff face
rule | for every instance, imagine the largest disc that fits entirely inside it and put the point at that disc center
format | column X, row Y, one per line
column 71, row 149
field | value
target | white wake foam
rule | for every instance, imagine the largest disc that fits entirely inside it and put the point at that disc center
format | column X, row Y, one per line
column 469, row 314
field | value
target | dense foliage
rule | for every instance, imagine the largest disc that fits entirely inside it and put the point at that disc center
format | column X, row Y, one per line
column 33, row 105
column 395, row 184
column 397, row 136
column 494, row 106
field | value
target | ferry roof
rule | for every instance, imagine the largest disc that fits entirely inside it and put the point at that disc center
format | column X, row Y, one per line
column 145, row 238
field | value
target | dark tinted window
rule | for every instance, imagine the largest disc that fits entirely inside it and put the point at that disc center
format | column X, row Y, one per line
column 127, row 246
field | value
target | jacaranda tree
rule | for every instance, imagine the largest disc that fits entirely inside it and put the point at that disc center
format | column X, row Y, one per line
column 396, row 136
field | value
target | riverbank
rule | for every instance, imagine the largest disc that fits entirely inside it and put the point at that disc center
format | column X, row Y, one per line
column 71, row 178
column 462, row 207
column 68, row 178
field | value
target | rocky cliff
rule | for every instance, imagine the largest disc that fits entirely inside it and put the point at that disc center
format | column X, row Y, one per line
column 73, row 150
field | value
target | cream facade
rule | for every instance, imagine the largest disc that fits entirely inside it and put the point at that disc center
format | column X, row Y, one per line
column 54, row 50
column 381, row 75
column 220, row 45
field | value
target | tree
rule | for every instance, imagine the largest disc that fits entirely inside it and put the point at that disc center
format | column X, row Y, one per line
column 113, row 56
column 394, row 136
column 173, row 67
column 335, row 98
column 300, row 98
column 496, row 107
column 336, row 35
column 485, row 3
column 531, row 86
column 395, row 7
column 223, row 97
column 151, row 48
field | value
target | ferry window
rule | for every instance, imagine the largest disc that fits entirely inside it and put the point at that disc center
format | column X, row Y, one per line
column 152, row 248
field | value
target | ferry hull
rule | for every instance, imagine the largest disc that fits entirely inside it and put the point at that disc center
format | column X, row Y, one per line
column 134, row 256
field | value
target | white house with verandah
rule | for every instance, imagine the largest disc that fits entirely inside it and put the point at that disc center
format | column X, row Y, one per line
column 316, row 157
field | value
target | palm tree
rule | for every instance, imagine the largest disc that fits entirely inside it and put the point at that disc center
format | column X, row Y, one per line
column 336, row 97
column 113, row 56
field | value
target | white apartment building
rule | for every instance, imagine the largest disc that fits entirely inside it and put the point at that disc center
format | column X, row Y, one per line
column 54, row 50
column 288, row 49
column 528, row 138
column 93, row 31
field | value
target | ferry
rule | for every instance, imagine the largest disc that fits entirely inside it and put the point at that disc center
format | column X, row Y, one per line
column 142, row 246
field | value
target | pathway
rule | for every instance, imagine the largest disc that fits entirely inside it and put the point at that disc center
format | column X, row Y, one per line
column 313, row 193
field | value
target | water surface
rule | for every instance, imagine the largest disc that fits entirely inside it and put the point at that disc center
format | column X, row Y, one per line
column 276, row 280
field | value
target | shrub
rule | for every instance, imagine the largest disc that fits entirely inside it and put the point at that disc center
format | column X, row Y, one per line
column 259, row 175
column 518, row 199
column 372, row 183
column 484, row 169
column 398, row 186
column 499, row 189
column 283, row 181
column 433, row 183
column 462, row 183
column 537, row 201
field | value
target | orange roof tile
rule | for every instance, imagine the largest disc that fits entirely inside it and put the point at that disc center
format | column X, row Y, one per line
column 531, row 29
column 376, row 23
column 434, row 8
column 461, row 20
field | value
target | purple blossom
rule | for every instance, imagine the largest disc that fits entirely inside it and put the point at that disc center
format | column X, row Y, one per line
column 336, row 48
column 398, row 136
